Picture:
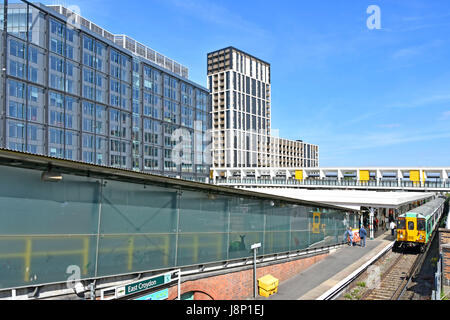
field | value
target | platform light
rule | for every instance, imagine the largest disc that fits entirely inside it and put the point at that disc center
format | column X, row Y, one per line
column 255, row 248
column 51, row 176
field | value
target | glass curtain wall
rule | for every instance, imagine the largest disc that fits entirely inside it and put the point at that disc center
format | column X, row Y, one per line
column 108, row 228
column 71, row 93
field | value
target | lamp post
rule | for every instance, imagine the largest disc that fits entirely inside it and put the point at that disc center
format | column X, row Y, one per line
column 255, row 248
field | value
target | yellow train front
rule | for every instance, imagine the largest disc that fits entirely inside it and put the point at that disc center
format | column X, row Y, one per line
column 416, row 228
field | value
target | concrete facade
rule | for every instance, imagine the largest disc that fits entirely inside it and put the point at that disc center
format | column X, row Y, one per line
column 240, row 86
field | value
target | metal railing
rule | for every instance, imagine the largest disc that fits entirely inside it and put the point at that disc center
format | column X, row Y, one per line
column 336, row 183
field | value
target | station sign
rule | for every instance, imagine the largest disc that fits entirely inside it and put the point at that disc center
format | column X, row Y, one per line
column 143, row 285
column 160, row 295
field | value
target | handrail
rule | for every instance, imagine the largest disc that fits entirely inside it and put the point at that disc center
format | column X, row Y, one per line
column 335, row 183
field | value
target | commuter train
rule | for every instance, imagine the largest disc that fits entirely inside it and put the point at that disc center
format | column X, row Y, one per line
column 416, row 227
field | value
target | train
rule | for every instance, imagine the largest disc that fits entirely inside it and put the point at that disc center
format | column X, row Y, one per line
column 416, row 228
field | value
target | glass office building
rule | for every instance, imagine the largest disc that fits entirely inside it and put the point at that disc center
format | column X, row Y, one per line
column 72, row 90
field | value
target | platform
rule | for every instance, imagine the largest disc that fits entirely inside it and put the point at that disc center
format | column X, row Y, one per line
column 323, row 276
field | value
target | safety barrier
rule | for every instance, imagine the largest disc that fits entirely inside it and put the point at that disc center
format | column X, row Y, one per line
column 335, row 183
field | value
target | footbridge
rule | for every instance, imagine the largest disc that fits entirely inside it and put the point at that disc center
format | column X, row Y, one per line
column 432, row 179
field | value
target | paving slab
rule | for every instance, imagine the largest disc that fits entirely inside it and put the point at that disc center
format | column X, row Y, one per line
column 324, row 275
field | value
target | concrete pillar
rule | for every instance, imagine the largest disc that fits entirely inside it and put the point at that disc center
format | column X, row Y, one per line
column 379, row 176
column 272, row 173
column 340, row 175
column 322, row 174
column 288, row 175
column 372, row 214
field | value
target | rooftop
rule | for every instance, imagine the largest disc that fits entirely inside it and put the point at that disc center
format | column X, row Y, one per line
column 124, row 41
column 243, row 52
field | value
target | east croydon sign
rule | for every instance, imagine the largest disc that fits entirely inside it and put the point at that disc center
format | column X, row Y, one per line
column 136, row 287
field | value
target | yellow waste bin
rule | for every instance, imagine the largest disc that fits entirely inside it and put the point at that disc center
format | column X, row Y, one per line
column 268, row 285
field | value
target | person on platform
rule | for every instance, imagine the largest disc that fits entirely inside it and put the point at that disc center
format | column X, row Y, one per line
column 349, row 236
column 363, row 235
column 392, row 226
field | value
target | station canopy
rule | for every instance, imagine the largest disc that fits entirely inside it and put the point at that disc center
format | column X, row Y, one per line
column 353, row 200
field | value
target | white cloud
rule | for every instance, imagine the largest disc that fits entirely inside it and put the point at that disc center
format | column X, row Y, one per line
column 445, row 115
column 423, row 102
column 389, row 125
column 417, row 50
column 216, row 14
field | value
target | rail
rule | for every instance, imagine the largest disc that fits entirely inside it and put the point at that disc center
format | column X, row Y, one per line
column 337, row 290
column 399, row 275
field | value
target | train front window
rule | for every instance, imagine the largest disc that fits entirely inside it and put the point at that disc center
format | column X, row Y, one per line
column 411, row 225
column 421, row 225
column 401, row 223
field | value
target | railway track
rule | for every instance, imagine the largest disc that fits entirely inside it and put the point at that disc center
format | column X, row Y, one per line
column 395, row 279
column 394, row 273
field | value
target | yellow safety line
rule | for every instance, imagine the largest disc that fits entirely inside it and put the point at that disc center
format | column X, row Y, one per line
column 85, row 255
column 27, row 258
column 219, row 248
column 130, row 253
column 195, row 243
column 166, row 250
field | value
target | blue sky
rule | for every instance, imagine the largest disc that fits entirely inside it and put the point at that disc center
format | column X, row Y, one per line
column 366, row 97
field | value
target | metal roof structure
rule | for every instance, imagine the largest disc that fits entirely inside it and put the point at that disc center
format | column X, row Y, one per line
column 354, row 200
column 63, row 166
column 428, row 208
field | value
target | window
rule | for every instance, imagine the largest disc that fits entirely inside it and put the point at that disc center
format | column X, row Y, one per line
column 16, row 110
column 411, row 225
column 32, row 74
column 88, row 59
column 16, row 130
column 56, row 46
column 17, row 69
column 401, row 223
column 57, row 64
column 88, row 43
column 421, row 225
column 57, row 28
column 17, row 49
column 88, row 76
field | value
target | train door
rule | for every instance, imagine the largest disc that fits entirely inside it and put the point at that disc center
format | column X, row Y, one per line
column 411, row 231
column 421, row 231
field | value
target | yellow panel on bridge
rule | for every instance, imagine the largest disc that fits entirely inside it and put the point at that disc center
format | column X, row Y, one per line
column 414, row 175
column 299, row 175
column 364, row 175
